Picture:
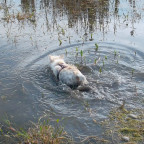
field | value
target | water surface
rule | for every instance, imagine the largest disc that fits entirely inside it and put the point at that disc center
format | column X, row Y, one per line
column 30, row 30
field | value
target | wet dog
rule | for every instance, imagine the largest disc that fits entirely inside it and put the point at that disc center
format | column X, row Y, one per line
column 66, row 73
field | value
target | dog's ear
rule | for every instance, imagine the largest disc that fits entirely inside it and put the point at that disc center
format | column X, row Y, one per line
column 61, row 56
column 50, row 58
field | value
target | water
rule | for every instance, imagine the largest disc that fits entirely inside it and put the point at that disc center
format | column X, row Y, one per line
column 28, row 89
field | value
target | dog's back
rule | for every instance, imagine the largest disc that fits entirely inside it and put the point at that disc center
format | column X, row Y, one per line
column 72, row 76
column 66, row 73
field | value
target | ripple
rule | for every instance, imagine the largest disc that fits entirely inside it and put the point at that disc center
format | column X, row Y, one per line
column 121, row 79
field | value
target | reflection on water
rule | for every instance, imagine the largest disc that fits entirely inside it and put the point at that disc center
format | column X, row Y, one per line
column 28, row 5
column 90, row 16
column 30, row 30
column 88, row 13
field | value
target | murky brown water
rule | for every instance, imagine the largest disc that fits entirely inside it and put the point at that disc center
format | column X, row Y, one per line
column 30, row 30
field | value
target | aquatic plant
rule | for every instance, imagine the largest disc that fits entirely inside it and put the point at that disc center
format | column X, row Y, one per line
column 96, row 46
column 115, row 53
column 76, row 49
column 69, row 39
column 132, row 72
column 135, row 53
column 91, row 38
column 63, row 32
column 81, row 53
column 95, row 61
column 86, row 104
column 60, row 42
column 66, row 51
column 91, row 35
column 83, row 40
column 100, row 70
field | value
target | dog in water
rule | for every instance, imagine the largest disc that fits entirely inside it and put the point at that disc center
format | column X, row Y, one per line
column 66, row 73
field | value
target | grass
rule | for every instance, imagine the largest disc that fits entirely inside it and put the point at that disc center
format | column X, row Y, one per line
column 45, row 133
column 41, row 132
column 121, row 124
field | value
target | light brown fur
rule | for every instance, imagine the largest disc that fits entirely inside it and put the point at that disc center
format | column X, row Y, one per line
column 69, row 75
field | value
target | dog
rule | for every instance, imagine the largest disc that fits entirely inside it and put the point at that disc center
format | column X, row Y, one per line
column 66, row 73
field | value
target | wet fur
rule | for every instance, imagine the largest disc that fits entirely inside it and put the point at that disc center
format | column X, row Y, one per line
column 69, row 75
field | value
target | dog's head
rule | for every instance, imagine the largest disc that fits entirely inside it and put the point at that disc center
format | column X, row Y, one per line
column 55, row 58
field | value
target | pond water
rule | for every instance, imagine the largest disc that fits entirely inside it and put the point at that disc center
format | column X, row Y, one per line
column 109, row 30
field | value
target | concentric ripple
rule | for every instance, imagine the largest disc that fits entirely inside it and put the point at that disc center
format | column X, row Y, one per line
column 117, row 77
